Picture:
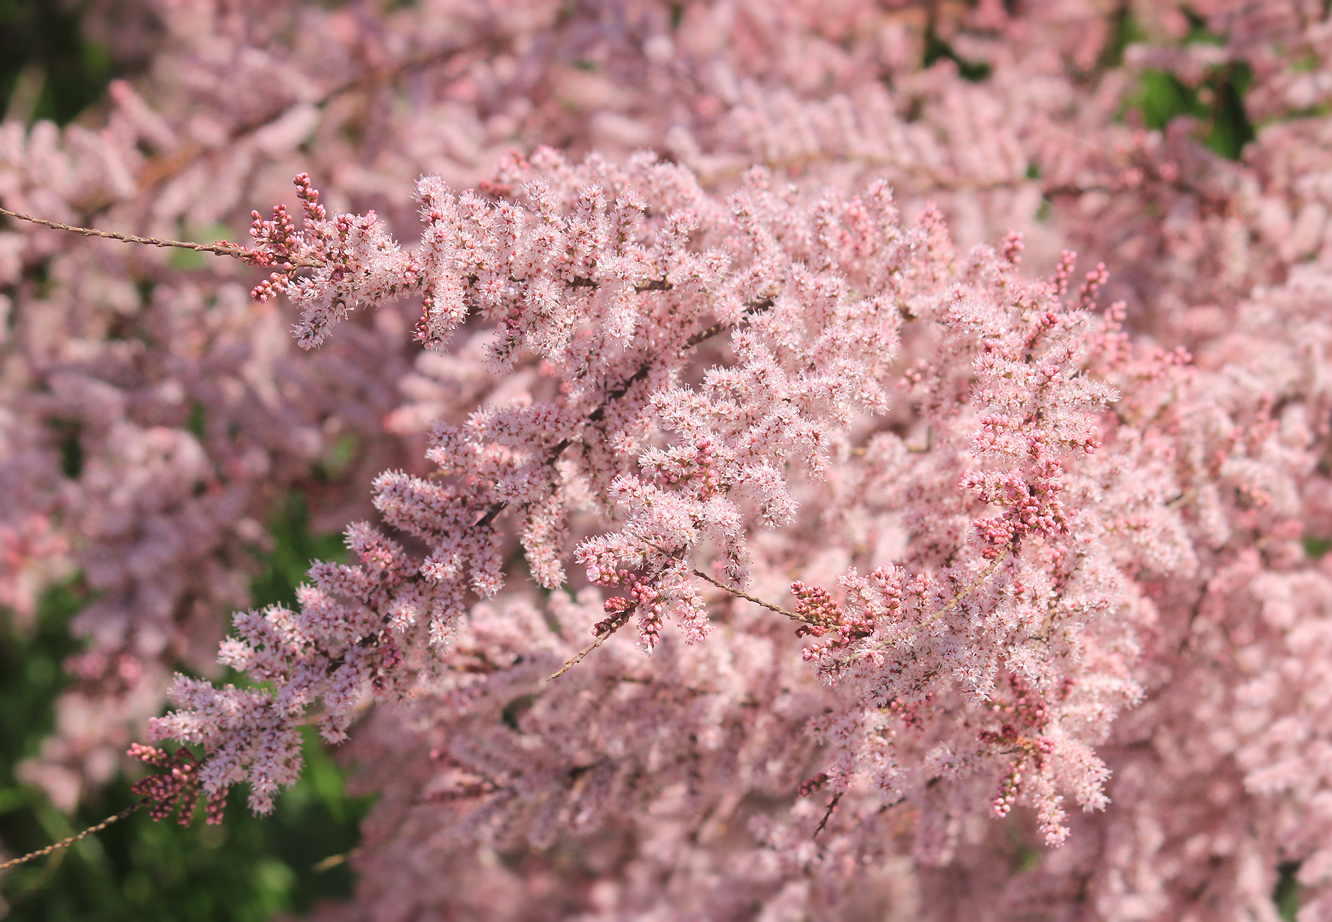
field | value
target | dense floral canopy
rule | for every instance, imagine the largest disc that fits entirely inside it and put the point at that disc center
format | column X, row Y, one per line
column 803, row 460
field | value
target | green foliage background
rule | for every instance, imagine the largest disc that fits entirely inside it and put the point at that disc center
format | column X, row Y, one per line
column 46, row 67
column 137, row 870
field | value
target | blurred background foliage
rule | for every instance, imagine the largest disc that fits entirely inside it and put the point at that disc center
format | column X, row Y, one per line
column 47, row 69
column 255, row 868
column 1216, row 105
column 248, row 868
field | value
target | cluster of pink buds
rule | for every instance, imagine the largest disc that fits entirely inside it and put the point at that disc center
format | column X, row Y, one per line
column 177, row 787
column 1009, row 788
column 277, row 242
column 811, row 786
column 820, row 613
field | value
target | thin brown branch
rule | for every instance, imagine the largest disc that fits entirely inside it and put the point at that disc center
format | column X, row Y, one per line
column 66, row 843
column 832, row 805
column 582, row 654
column 221, row 248
column 757, row 601
column 333, row 861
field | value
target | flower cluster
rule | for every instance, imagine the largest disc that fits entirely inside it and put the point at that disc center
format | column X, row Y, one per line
column 933, row 529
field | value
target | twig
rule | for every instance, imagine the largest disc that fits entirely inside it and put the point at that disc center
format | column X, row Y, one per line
column 762, row 604
column 832, row 805
column 332, row 861
column 221, row 248
column 581, row 655
column 66, row 843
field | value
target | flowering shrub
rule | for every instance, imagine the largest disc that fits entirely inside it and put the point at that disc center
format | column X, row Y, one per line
column 773, row 517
